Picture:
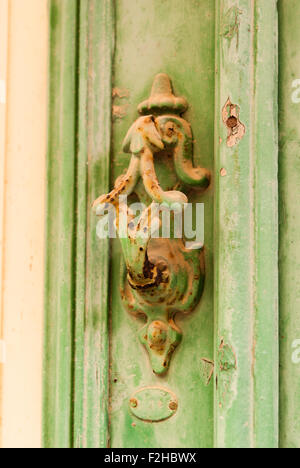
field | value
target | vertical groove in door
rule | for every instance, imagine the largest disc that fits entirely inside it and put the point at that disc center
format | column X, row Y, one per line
column 92, row 300
column 289, row 190
column 60, row 255
column 266, row 347
column 81, row 226
column 246, row 239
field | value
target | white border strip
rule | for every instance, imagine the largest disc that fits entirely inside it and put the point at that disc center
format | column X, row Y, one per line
column 2, row 352
column 4, row 18
column 2, row 91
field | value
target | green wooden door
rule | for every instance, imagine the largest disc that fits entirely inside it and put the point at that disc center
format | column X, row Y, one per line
column 222, row 57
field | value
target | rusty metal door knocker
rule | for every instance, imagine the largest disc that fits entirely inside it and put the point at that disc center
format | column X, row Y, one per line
column 162, row 276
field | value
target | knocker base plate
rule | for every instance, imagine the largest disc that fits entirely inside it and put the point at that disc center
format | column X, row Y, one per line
column 153, row 404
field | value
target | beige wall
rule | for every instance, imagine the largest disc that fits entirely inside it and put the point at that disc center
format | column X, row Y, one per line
column 24, row 36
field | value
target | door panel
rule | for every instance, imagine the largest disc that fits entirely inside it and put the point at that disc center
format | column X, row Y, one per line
column 153, row 37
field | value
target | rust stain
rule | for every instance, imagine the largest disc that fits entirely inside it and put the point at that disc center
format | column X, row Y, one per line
column 119, row 112
column 120, row 93
column 231, row 119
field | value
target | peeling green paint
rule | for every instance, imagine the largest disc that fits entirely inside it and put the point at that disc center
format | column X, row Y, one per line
column 246, row 225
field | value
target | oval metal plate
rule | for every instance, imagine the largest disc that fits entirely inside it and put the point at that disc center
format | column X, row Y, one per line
column 153, row 404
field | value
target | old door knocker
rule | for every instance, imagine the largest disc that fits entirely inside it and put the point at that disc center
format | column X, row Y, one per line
column 162, row 276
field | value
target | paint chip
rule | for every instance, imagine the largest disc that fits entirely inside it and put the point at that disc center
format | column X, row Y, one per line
column 119, row 112
column 231, row 118
column 206, row 370
column 120, row 93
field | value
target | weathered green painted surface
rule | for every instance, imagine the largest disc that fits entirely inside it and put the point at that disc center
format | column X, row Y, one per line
column 153, row 37
column 246, row 343
column 76, row 328
column 94, row 362
column 96, row 37
column 60, row 269
column 289, row 184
